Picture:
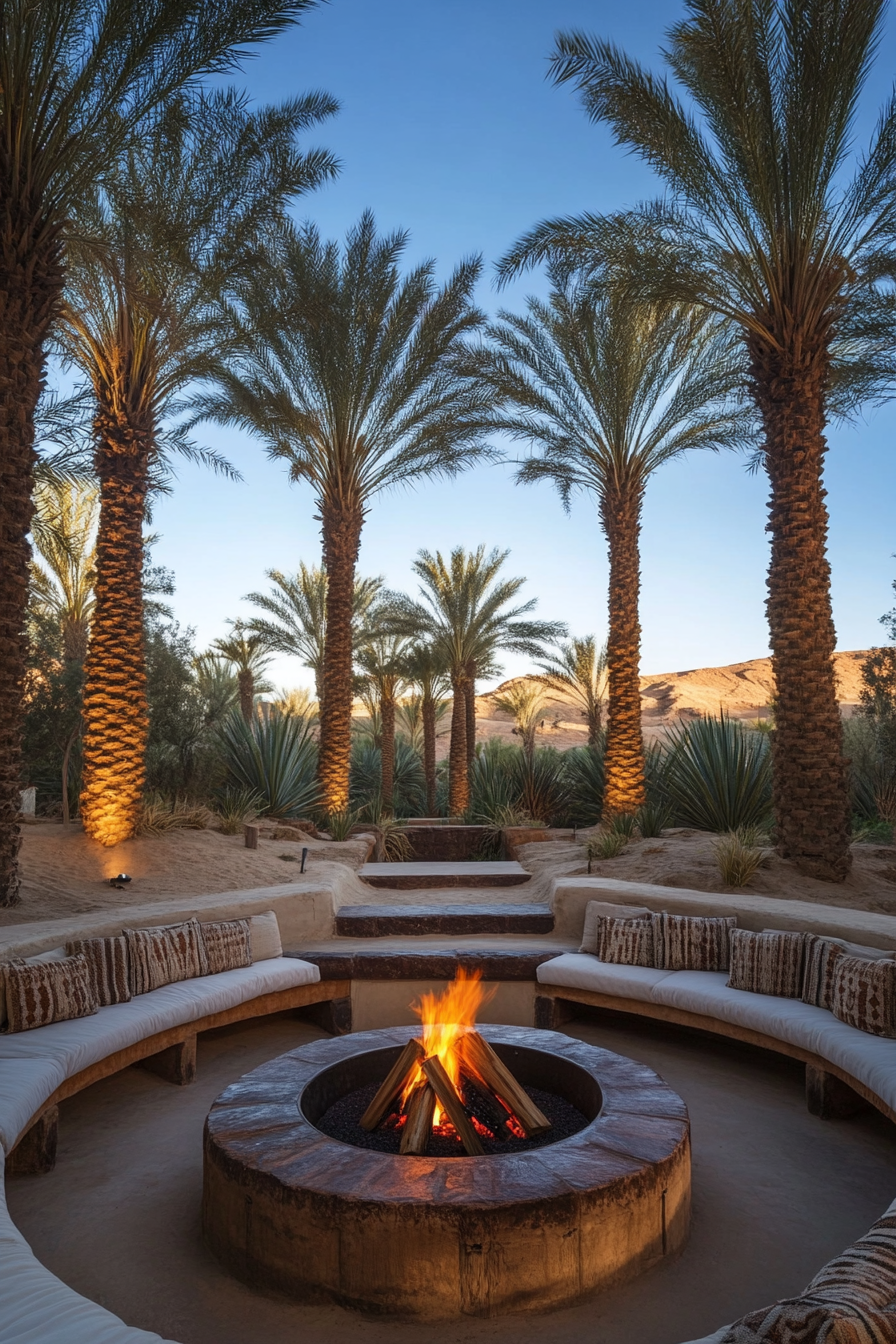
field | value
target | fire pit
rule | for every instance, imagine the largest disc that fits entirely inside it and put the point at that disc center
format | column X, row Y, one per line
column 287, row 1206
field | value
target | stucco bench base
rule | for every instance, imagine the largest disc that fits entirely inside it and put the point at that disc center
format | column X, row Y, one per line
column 555, row 1004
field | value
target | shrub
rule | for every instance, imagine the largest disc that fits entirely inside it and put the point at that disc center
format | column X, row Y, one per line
column 737, row 860
column 584, row 769
column 235, row 806
column 652, row 819
column 623, row 823
column 275, row 757
column 408, row 786
column 717, row 775
column 339, row 824
column 605, row 846
column 160, row 815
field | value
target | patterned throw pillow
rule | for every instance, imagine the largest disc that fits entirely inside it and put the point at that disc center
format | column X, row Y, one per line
column 40, row 992
column 164, row 955
column 691, row 942
column 820, row 961
column 625, row 942
column 598, row 911
column 766, row 963
column 863, row 995
column 227, row 945
column 108, row 962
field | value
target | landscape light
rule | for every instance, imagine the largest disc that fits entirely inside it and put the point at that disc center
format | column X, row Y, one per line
column 120, row 881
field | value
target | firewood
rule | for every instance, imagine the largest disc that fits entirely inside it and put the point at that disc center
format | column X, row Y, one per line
column 418, row 1126
column 393, row 1085
column 443, row 1087
column 486, row 1109
column 482, row 1062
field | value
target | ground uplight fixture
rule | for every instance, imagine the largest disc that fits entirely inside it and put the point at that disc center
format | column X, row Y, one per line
column 304, row 857
column 120, row 881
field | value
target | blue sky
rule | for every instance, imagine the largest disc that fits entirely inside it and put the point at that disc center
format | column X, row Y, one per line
column 449, row 129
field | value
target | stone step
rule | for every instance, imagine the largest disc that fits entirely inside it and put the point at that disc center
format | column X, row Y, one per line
column 404, row 876
column 383, row 921
column 432, row 964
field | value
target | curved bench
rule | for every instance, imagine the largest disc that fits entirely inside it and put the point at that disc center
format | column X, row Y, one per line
column 39, row 1068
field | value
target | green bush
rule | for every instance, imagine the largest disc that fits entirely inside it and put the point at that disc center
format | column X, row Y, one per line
column 275, row 757
column 584, row 768
column 717, row 775
column 409, row 782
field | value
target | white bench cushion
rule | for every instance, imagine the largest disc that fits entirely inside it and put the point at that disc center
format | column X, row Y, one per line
column 25, row 1085
column 579, row 970
column 65, row 1048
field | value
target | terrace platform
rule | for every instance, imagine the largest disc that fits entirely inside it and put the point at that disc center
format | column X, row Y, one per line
column 416, row 876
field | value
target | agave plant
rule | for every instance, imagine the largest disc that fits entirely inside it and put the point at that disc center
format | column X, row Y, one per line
column 584, row 768
column 543, row 790
column 235, row 805
column 275, row 756
column 408, row 785
column 493, row 788
column 717, row 775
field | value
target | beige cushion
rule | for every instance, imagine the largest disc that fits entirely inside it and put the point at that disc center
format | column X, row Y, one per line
column 596, row 911
column 53, row 990
column 863, row 995
column 227, row 945
column 625, row 942
column 766, row 963
column 165, row 955
column 264, row 936
column 691, row 942
column 108, row 962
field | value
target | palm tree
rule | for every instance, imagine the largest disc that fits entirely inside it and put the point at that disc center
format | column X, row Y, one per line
column 249, row 654
column 579, row 669
column 763, row 223
column 606, row 390
column 426, row 667
column 64, row 530
column 351, row 375
column 77, row 78
column 382, row 662
column 465, row 617
column 525, row 701
column 296, row 620
column 177, row 221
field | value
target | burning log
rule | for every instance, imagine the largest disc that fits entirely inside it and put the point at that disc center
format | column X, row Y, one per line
column 482, row 1062
column 418, row 1126
column 397, row 1079
column 486, row 1109
column 451, row 1103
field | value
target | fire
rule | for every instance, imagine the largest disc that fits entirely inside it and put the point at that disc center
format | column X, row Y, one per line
column 446, row 1018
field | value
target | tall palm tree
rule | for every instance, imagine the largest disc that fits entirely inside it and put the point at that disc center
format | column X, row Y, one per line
column 296, row 615
column 427, row 668
column 62, row 580
column 77, row 78
column 466, row 617
column 173, row 228
column 605, row 390
column 382, row 663
column 350, row 373
column 770, row 221
column 250, row 655
column 579, row 669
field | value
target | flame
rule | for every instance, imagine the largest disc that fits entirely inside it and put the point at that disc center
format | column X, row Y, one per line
column 445, row 1018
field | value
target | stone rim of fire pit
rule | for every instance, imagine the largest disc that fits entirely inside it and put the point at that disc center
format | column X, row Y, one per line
column 290, row 1208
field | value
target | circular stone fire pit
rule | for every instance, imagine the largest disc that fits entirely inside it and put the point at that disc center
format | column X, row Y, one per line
column 287, row 1207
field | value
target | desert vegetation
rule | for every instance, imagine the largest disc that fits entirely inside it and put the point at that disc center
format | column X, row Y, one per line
column 151, row 242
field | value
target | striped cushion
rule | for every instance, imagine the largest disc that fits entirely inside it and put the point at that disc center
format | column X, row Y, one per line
column 766, row 963
column 691, row 942
column 163, row 955
column 625, row 942
column 227, row 945
column 38, row 993
column 863, row 995
column 108, row 962
column 598, row 911
column 820, row 960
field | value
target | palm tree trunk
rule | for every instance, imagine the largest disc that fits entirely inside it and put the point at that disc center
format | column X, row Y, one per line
column 624, row 760
column 387, row 752
column 247, row 693
column 811, row 793
column 470, row 693
column 30, row 288
column 429, row 752
column 116, row 717
column 341, row 537
column 458, row 778
column 594, row 726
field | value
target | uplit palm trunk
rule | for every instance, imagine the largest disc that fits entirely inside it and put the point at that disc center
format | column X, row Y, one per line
column 458, row 779
column 341, row 537
column 470, row 694
column 428, row 710
column 246, row 683
column 624, row 761
column 811, row 793
column 387, row 751
column 30, row 288
column 116, row 717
